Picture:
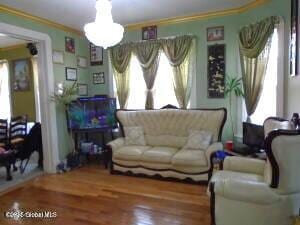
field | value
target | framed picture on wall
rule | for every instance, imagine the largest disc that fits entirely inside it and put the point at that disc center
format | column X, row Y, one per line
column 58, row 57
column 215, row 33
column 294, row 39
column 71, row 73
column 82, row 89
column 70, row 44
column 216, row 71
column 96, row 55
column 149, row 33
column 82, row 62
column 98, row 78
column 21, row 75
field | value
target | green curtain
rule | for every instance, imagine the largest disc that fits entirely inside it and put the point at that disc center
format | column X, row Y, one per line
column 254, row 45
column 178, row 52
column 148, row 56
column 120, row 56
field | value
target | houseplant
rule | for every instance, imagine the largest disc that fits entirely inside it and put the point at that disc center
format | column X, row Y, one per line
column 233, row 86
column 63, row 96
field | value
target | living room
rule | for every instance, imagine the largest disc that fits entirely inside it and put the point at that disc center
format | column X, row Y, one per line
column 160, row 112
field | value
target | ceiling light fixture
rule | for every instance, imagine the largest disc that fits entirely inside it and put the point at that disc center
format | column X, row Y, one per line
column 104, row 32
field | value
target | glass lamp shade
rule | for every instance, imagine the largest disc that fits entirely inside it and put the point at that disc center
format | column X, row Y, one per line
column 104, row 32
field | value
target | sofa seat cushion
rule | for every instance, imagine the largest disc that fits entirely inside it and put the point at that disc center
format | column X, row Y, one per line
column 225, row 174
column 130, row 152
column 159, row 154
column 190, row 157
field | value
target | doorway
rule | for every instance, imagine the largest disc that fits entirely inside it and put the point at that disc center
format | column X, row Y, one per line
column 45, row 87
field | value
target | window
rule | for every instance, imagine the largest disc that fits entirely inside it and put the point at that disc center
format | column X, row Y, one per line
column 163, row 91
column 4, row 91
column 267, row 105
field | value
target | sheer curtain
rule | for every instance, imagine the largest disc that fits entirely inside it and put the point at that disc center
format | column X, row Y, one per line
column 5, row 109
column 36, row 88
column 267, row 103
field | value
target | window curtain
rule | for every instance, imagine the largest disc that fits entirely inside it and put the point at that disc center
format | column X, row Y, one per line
column 120, row 56
column 5, row 110
column 254, row 45
column 178, row 52
column 36, row 88
column 148, row 56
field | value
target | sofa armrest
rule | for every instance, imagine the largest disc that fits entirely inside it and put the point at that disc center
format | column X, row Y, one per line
column 213, row 148
column 116, row 144
column 244, row 165
column 246, row 191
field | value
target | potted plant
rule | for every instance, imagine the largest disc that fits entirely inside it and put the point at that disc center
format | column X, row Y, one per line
column 64, row 96
column 233, row 86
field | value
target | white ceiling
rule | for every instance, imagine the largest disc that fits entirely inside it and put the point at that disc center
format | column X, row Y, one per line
column 75, row 13
column 6, row 41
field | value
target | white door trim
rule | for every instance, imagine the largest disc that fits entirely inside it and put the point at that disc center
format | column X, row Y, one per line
column 46, row 88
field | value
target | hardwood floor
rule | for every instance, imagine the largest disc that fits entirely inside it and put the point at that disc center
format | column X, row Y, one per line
column 90, row 195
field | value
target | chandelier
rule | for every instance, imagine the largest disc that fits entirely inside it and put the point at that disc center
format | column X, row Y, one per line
column 104, row 32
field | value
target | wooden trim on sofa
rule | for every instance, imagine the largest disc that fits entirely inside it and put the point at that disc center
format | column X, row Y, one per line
column 274, row 165
column 204, row 109
column 212, row 203
column 160, row 170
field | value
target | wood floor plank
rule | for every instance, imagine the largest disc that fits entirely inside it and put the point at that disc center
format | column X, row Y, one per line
column 91, row 196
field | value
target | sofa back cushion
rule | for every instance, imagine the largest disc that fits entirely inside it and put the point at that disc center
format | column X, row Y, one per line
column 170, row 127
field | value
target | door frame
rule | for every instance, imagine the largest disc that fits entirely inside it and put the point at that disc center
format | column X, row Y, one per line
column 46, row 89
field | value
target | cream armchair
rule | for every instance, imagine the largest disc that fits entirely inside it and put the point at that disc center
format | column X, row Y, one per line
column 257, row 192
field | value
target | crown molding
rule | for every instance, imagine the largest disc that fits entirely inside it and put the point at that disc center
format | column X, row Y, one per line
column 13, row 47
column 189, row 18
column 166, row 21
column 50, row 23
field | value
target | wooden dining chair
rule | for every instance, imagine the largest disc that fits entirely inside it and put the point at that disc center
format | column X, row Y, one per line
column 17, row 130
column 3, row 133
column 17, row 134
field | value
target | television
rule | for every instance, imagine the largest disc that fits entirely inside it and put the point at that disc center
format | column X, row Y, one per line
column 253, row 136
column 92, row 113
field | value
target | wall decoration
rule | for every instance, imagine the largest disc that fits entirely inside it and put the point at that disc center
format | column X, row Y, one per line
column 294, row 38
column 98, row 78
column 21, row 75
column 216, row 71
column 82, row 62
column 96, row 55
column 71, row 73
column 58, row 57
column 149, row 32
column 82, row 89
column 70, row 44
column 215, row 33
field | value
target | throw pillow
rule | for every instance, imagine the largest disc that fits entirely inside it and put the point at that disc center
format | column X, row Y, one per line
column 134, row 136
column 198, row 139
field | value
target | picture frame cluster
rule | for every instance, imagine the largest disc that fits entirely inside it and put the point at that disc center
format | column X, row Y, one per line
column 82, row 62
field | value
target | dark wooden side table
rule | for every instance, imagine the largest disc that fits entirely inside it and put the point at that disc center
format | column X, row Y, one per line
column 6, row 159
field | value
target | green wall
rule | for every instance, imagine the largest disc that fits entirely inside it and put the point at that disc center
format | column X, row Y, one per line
column 232, row 24
column 58, row 43
column 23, row 103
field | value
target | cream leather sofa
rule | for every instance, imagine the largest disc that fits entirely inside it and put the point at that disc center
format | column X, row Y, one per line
column 166, row 132
column 251, row 191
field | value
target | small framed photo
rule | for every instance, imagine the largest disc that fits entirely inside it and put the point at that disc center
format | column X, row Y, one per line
column 21, row 75
column 58, row 57
column 215, row 33
column 96, row 55
column 70, row 44
column 82, row 89
column 98, row 78
column 71, row 73
column 81, row 62
column 149, row 33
